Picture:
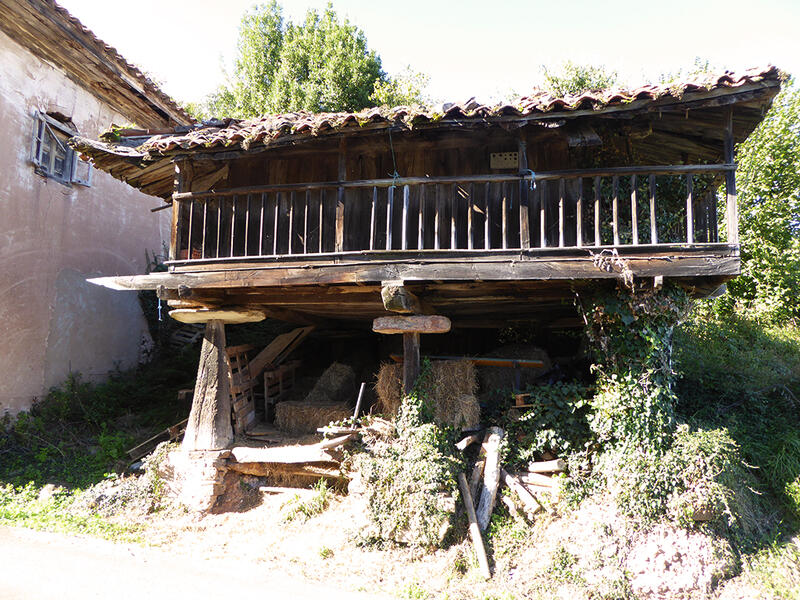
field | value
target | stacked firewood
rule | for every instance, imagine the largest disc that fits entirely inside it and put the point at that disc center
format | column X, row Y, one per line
column 480, row 491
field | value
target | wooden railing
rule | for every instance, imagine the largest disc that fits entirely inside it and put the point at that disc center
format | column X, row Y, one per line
column 566, row 209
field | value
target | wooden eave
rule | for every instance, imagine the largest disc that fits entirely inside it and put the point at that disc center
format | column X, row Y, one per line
column 48, row 31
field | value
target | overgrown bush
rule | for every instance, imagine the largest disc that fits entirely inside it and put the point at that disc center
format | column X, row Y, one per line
column 409, row 480
column 555, row 424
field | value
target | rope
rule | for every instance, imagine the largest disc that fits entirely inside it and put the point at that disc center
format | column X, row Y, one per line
column 395, row 175
column 160, row 316
column 533, row 178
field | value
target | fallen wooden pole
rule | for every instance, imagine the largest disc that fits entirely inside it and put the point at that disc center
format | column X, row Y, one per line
column 358, row 402
column 530, row 502
column 474, row 530
column 537, row 479
column 467, row 441
column 491, row 477
column 475, row 478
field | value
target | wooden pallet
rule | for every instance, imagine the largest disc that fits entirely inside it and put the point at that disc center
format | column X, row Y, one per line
column 243, row 403
column 278, row 383
column 187, row 335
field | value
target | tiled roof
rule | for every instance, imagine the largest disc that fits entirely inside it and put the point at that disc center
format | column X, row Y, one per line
column 232, row 133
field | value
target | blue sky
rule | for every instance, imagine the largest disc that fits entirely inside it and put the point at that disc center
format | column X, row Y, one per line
column 485, row 48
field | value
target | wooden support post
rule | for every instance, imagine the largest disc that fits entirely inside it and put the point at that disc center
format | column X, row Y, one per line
column 732, row 212
column 410, row 361
column 209, row 426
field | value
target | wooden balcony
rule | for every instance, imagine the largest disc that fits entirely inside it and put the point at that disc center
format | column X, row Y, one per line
column 648, row 209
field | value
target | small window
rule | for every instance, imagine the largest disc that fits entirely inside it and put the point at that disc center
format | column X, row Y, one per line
column 51, row 155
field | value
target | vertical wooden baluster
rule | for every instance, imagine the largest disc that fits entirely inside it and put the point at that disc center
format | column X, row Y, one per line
column 305, row 221
column 470, row 208
column 579, row 214
column 342, row 173
column 233, row 221
column 191, row 226
column 405, row 217
column 437, row 214
column 732, row 210
column 219, row 222
column 653, row 229
column 543, row 214
column 487, row 242
column 275, row 224
column 321, row 204
column 634, row 212
column 372, row 215
column 205, row 220
column 561, row 194
column 453, row 205
column 615, row 207
column 421, row 219
column 524, row 200
column 389, row 217
column 689, row 211
column 246, row 225
column 291, row 221
column 712, row 217
column 597, row 240
column 504, row 216
column 261, row 228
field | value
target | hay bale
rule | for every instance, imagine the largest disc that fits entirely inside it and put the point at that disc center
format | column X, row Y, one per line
column 305, row 417
column 450, row 387
column 502, row 378
column 336, row 384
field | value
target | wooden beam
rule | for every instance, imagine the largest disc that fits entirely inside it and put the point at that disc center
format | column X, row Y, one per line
column 413, row 324
column 732, row 212
column 491, row 476
column 231, row 316
column 209, row 425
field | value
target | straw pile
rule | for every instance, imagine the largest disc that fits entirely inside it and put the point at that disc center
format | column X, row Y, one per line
column 304, row 417
column 450, row 387
column 336, row 384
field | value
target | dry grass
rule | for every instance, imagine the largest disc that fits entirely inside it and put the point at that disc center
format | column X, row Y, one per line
column 306, row 417
column 336, row 384
column 450, row 386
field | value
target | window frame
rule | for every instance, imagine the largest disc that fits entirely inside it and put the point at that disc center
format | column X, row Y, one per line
column 50, row 135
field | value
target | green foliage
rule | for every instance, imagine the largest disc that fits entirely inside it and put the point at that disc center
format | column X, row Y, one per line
column 557, row 423
column 573, row 78
column 80, row 430
column 303, row 510
column 768, row 186
column 745, row 375
column 22, row 506
column 409, row 480
column 321, row 64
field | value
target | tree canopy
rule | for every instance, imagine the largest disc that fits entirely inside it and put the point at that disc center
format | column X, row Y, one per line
column 573, row 78
column 321, row 64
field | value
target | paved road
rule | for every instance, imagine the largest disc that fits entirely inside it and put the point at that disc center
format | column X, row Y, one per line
column 42, row 566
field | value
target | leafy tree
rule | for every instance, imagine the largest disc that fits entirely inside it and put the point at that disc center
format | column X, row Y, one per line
column 769, row 212
column 321, row 64
column 573, row 78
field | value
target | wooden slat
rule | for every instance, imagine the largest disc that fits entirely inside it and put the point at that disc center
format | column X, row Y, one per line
column 261, row 228
column 321, row 206
column 339, row 235
column 487, row 242
column 405, row 218
column 247, row 225
column 543, row 215
column 597, row 241
column 634, row 212
column 615, row 208
column 291, row 222
column 653, row 228
column 561, row 224
column 689, row 210
column 191, row 224
column 437, row 216
column 389, row 217
column 219, row 223
column 470, row 209
column 372, row 215
column 205, row 220
column 307, row 201
column 579, row 215
column 275, row 224
column 524, row 188
column 504, row 214
column 421, row 219
column 453, row 207
column 233, row 220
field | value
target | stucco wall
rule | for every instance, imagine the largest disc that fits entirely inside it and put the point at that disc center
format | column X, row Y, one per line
column 53, row 236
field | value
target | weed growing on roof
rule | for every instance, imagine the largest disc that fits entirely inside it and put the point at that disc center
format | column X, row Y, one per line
column 409, row 480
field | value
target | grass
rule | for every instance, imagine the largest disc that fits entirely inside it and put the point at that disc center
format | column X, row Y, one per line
column 23, row 507
column 298, row 509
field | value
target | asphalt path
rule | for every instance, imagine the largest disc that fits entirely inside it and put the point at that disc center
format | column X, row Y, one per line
column 37, row 565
